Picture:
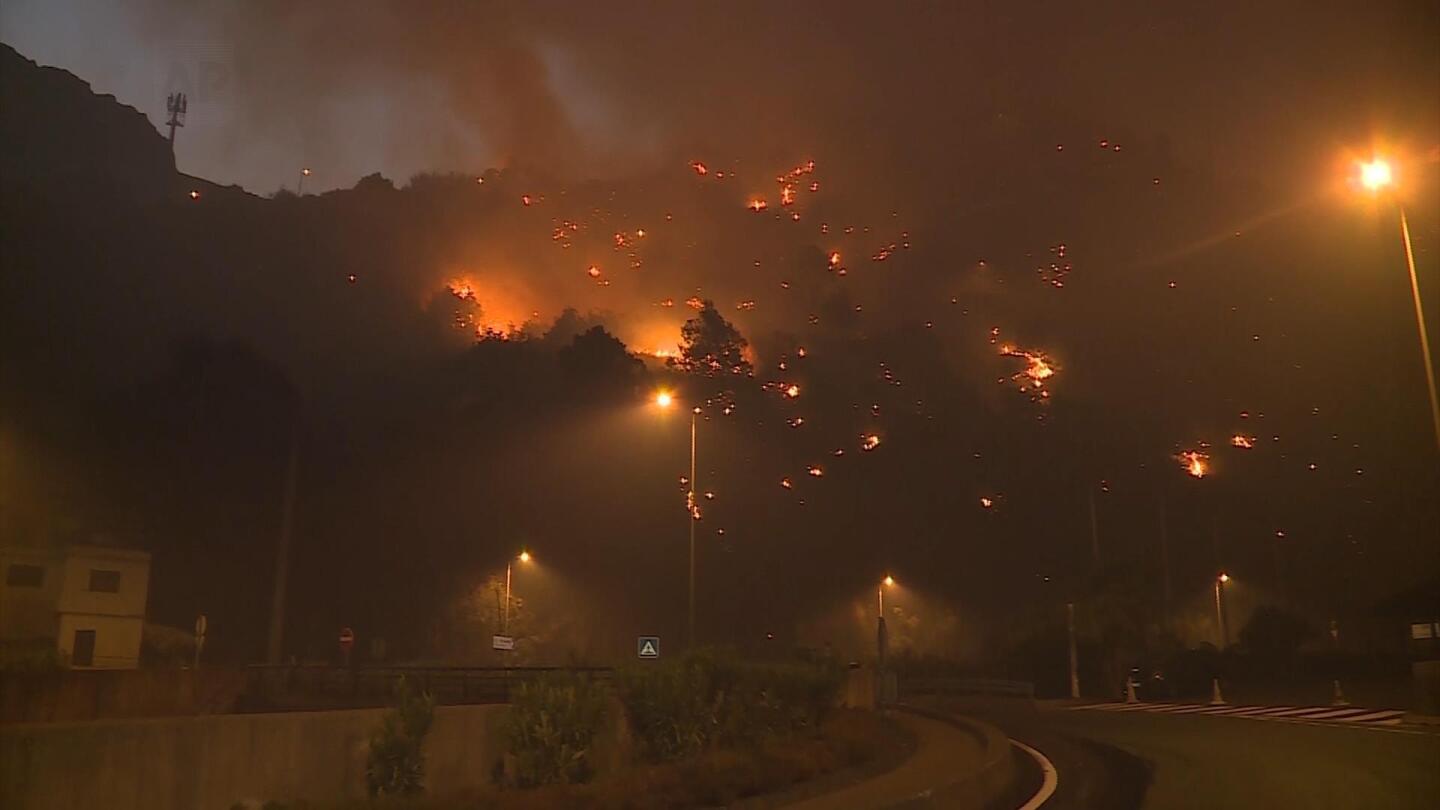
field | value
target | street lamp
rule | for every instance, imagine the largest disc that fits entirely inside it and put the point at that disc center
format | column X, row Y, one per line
column 304, row 173
column 524, row 558
column 881, row 638
column 664, row 399
column 1220, row 610
column 1377, row 176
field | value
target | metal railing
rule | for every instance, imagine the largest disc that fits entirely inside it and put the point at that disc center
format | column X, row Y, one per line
column 281, row 687
column 949, row 686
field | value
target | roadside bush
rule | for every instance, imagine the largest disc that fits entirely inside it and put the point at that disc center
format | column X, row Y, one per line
column 706, row 700
column 551, row 728
column 396, row 765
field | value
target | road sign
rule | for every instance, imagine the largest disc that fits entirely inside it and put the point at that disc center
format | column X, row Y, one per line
column 647, row 646
column 347, row 638
column 502, row 642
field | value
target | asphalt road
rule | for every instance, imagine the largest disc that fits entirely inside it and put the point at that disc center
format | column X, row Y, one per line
column 1146, row 760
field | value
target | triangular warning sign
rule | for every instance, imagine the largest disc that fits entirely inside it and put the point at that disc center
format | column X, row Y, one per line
column 647, row 649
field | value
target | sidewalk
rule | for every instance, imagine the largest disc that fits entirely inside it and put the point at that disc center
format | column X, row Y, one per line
column 944, row 754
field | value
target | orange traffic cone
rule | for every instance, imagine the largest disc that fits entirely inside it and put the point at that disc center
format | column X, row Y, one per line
column 1216, row 699
column 1339, row 699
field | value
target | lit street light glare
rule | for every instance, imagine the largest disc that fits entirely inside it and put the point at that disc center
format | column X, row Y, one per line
column 664, row 399
column 524, row 557
column 1224, row 577
column 1376, row 174
column 889, row 580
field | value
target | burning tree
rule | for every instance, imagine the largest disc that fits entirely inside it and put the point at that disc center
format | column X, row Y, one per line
column 712, row 345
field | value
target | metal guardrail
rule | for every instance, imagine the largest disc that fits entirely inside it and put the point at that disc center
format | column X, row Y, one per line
column 273, row 687
column 992, row 687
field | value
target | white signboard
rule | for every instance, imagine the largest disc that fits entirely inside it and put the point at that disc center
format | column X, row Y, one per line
column 502, row 642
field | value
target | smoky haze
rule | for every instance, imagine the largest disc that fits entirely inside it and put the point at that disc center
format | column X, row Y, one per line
column 1213, row 278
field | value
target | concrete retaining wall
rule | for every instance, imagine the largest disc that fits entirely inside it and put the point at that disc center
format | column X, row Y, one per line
column 210, row 763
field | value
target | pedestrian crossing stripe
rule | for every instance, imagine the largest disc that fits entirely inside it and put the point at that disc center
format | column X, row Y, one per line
column 1333, row 714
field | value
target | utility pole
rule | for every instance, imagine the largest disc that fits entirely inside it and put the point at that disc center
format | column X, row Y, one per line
column 1165, row 561
column 175, row 105
column 694, row 415
column 1094, row 531
column 282, row 551
column 1074, row 663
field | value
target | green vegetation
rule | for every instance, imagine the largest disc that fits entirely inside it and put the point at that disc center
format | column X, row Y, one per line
column 396, row 765
column 705, row 700
column 551, row 728
column 847, row 738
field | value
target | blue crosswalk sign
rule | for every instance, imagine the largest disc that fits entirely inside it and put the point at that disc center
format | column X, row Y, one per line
column 648, row 646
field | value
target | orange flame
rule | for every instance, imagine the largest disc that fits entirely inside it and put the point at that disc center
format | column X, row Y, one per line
column 1194, row 462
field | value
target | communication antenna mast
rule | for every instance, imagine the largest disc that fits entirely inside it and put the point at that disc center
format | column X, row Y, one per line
column 175, row 105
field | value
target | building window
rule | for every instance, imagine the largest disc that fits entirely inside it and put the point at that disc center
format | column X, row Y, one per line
column 20, row 575
column 83, row 653
column 104, row 581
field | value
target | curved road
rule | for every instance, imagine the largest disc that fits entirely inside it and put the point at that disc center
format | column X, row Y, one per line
column 1152, row 760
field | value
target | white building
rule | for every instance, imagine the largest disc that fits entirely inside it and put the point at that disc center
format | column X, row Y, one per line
column 88, row 601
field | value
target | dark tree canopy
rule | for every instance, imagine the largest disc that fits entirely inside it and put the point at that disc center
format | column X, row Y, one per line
column 1272, row 631
column 712, row 345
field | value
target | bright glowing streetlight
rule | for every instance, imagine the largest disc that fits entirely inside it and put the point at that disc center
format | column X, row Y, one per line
column 524, row 557
column 1377, row 176
column 887, row 582
column 664, row 399
column 304, row 173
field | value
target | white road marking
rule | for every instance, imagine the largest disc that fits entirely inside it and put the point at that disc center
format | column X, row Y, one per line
column 1388, row 714
column 1049, row 778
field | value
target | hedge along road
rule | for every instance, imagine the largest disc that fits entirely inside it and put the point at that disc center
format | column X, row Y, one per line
column 1141, row 759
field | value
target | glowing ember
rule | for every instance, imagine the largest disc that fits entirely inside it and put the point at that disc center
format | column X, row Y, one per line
column 786, row 483
column 868, row 443
column 1038, row 368
column 758, row 204
column 816, row 471
column 986, row 502
column 793, row 391
column 699, row 168
column 1242, row 441
column 1194, row 462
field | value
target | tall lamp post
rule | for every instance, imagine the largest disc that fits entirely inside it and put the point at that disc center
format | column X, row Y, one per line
column 664, row 400
column 1220, row 609
column 882, row 637
column 505, row 622
column 1377, row 176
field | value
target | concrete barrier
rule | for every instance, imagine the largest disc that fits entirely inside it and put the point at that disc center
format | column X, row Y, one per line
column 211, row 763
column 81, row 695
